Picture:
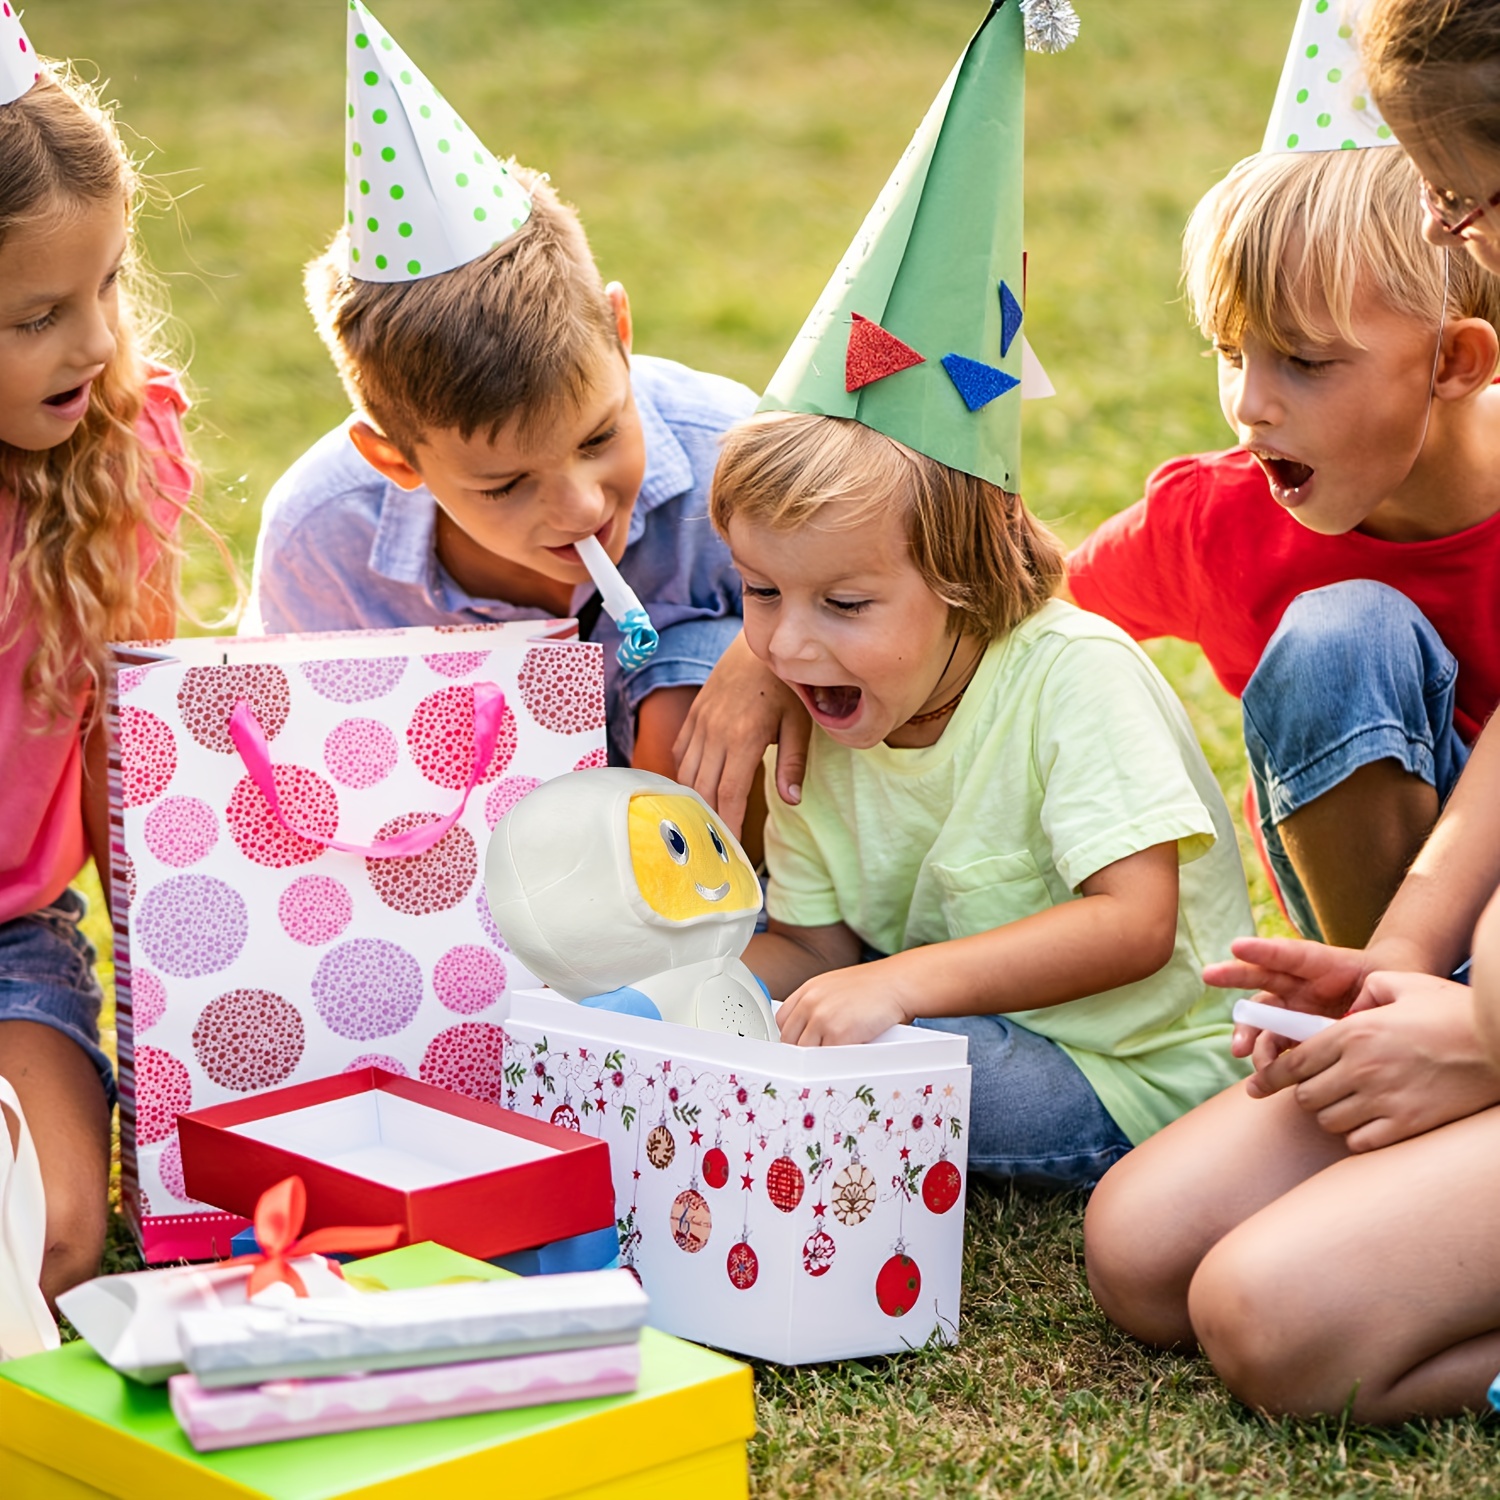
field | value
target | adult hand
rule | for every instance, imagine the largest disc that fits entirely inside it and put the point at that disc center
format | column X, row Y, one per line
column 1405, row 1063
column 845, row 1006
column 740, row 710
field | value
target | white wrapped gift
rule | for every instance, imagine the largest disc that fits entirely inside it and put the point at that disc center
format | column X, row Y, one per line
column 406, row 1329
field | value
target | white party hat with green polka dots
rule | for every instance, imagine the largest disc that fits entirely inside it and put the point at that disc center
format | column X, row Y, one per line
column 1322, row 104
column 422, row 194
column 19, row 68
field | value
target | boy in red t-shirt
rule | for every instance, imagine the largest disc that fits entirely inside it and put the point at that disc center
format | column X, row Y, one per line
column 1341, row 567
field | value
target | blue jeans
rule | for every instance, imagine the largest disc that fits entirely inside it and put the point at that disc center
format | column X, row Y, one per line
column 1033, row 1117
column 1354, row 674
column 47, row 976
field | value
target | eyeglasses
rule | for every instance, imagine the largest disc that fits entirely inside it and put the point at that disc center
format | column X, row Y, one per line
column 1454, row 212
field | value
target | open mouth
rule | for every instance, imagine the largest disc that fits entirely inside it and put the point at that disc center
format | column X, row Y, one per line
column 71, row 403
column 833, row 703
column 711, row 892
column 1287, row 475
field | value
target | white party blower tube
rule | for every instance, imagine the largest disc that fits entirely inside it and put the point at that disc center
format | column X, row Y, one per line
column 1294, row 1025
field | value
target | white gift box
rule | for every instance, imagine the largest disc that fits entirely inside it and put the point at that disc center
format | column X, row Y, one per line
column 794, row 1204
column 132, row 1320
column 403, row 1330
column 249, row 956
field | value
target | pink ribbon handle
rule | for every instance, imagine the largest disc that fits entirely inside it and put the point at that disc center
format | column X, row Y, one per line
column 250, row 740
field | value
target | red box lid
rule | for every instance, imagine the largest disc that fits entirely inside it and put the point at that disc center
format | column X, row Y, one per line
column 484, row 1195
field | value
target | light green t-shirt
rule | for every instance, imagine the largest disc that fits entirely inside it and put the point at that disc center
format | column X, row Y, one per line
column 1068, row 752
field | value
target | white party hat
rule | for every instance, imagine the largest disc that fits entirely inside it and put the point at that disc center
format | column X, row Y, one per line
column 422, row 194
column 19, row 68
column 1321, row 103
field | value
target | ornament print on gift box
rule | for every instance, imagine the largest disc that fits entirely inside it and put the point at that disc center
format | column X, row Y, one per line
column 833, row 1156
column 661, row 1146
column 716, row 1164
column 898, row 1285
column 853, row 1196
column 942, row 1185
column 743, row 1266
column 818, row 1248
column 564, row 1116
column 785, row 1183
column 691, row 1220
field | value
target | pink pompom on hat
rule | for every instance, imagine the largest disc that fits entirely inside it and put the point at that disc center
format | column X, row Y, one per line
column 19, row 68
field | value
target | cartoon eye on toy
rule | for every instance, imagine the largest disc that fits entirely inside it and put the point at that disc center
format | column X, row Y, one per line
column 677, row 845
column 719, row 848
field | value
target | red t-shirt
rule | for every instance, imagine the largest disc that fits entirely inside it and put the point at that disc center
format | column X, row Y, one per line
column 1209, row 556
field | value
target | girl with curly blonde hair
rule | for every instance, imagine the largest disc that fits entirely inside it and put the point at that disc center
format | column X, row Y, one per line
column 93, row 480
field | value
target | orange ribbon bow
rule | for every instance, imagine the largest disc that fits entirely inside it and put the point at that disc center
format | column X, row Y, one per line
column 278, row 1223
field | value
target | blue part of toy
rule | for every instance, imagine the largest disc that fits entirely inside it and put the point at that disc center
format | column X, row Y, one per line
column 624, row 1001
column 1495, row 1393
column 765, row 989
column 639, row 639
column 598, row 1250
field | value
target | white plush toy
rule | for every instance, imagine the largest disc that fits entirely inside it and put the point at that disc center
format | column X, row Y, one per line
column 623, row 891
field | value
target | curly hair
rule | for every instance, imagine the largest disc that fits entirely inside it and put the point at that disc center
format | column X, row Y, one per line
column 82, row 506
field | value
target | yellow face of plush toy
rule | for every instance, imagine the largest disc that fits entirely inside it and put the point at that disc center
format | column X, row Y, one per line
column 685, row 864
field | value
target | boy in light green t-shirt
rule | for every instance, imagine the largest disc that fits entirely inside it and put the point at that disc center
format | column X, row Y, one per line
column 1002, row 797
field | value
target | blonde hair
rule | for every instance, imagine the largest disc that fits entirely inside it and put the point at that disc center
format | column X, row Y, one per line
column 82, row 505
column 1285, row 230
column 975, row 545
column 517, row 332
column 1436, row 63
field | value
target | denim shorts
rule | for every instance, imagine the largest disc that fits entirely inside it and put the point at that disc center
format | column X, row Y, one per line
column 47, row 976
column 1033, row 1116
column 1355, row 673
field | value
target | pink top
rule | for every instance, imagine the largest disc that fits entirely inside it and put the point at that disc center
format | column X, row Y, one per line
column 41, row 774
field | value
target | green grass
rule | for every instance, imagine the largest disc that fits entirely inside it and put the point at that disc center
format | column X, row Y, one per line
column 723, row 154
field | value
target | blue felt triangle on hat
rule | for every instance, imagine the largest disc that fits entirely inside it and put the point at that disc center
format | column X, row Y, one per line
column 1010, row 319
column 977, row 383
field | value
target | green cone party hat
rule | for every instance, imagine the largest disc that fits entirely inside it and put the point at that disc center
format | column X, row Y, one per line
column 19, row 68
column 918, row 333
column 422, row 194
column 1321, row 105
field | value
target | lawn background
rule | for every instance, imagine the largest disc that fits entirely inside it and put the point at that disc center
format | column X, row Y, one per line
column 722, row 155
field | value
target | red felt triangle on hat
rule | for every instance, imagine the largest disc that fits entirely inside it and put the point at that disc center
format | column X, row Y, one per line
column 873, row 354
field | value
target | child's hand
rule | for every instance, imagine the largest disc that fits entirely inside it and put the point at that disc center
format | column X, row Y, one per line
column 844, row 1007
column 1288, row 971
column 1389, row 1071
column 739, row 711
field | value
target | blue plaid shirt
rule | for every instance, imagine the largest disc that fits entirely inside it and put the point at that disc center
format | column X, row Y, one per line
column 342, row 548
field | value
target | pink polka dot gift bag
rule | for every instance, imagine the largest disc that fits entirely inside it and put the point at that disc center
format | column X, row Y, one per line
column 297, row 829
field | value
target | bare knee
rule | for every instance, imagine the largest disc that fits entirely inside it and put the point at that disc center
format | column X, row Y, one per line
column 1139, row 1262
column 1266, row 1343
column 77, row 1219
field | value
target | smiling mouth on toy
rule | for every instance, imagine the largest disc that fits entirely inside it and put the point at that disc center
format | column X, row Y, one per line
column 711, row 892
